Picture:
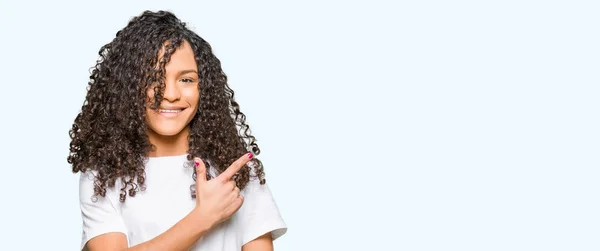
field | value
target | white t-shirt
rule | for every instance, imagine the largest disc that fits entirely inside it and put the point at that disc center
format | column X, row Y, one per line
column 167, row 200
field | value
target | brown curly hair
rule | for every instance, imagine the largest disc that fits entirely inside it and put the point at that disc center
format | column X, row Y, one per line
column 109, row 134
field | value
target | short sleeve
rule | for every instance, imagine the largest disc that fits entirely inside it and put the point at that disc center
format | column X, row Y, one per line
column 99, row 215
column 260, row 214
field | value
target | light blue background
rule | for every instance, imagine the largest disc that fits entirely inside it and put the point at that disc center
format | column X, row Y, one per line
column 414, row 125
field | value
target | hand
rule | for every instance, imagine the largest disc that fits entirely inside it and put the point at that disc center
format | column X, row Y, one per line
column 218, row 198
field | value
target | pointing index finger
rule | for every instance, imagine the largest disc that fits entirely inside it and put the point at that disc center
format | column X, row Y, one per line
column 235, row 167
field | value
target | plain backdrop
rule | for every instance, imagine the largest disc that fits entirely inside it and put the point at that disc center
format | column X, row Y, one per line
column 399, row 125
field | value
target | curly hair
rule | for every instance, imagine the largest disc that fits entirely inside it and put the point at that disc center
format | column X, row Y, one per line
column 109, row 134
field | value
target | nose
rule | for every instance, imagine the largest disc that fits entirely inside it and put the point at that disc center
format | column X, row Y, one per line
column 172, row 92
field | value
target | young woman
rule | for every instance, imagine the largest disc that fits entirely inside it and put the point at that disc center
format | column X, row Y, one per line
column 165, row 155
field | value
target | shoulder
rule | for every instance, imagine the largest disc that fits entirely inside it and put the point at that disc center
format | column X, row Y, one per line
column 259, row 214
column 100, row 214
column 87, row 188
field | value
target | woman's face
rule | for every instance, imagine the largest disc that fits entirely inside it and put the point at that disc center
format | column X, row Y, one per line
column 181, row 95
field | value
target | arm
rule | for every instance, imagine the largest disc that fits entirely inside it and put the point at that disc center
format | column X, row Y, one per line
column 179, row 237
column 216, row 201
column 260, row 221
column 262, row 243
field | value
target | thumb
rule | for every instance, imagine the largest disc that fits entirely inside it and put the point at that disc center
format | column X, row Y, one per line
column 200, row 171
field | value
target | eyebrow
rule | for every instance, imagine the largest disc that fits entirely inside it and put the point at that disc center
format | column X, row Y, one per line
column 187, row 71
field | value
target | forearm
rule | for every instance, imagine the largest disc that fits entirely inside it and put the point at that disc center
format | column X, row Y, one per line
column 179, row 237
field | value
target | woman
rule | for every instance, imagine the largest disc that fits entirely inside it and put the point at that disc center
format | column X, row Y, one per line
column 162, row 164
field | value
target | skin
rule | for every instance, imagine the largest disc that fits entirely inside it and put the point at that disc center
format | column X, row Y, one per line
column 217, row 199
column 170, row 134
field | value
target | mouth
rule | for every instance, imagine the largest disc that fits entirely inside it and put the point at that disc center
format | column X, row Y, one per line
column 170, row 110
column 170, row 113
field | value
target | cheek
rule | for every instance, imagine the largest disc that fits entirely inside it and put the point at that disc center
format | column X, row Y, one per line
column 192, row 96
column 197, row 100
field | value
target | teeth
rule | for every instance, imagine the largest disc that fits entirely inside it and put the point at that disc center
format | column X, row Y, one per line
column 160, row 110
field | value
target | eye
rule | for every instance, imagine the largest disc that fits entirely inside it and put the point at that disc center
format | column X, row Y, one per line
column 188, row 80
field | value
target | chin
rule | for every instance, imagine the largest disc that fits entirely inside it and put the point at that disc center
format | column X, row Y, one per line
column 168, row 127
column 167, row 131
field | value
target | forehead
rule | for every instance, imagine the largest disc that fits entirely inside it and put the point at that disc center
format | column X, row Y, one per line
column 182, row 58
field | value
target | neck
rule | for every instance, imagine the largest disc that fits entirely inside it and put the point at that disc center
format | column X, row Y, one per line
column 169, row 145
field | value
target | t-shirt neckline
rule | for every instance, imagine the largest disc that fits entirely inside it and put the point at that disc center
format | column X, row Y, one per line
column 169, row 157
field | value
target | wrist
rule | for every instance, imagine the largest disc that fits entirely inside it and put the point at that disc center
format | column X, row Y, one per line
column 203, row 223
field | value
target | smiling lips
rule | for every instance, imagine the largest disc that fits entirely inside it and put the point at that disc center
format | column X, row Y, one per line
column 170, row 112
column 166, row 110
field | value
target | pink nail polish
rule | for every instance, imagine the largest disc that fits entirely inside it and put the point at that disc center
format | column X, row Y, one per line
column 197, row 163
column 249, row 155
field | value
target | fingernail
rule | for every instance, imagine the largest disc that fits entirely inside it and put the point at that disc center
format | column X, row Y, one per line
column 197, row 163
column 250, row 155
